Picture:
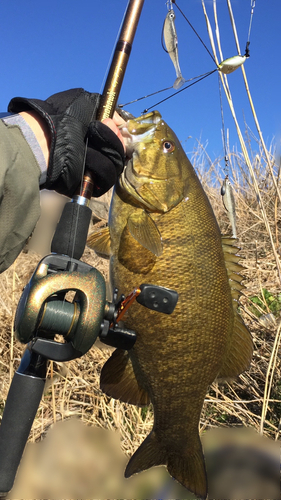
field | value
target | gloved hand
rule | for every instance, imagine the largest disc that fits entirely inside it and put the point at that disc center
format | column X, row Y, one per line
column 70, row 116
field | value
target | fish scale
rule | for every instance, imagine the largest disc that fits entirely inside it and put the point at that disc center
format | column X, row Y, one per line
column 192, row 273
column 162, row 230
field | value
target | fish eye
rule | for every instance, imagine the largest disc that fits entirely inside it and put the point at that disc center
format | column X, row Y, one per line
column 168, row 146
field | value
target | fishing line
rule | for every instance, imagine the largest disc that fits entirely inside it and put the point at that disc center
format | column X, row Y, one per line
column 87, row 140
column 144, row 97
column 198, row 78
column 159, row 91
column 247, row 54
column 210, row 54
column 78, row 207
column 226, row 168
column 247, row 51
column 181, row 90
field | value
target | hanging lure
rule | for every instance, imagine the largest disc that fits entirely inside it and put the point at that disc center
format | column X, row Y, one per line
column 229, row 203
column 229, row 65
column 171, row 42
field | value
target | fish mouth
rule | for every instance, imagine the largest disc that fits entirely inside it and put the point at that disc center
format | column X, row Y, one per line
column 137, row 133
column 139, row 130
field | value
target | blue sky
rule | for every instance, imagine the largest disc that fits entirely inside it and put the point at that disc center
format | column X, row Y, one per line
column 51, row 46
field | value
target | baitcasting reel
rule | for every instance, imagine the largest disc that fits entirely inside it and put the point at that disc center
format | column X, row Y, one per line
column 44, row 311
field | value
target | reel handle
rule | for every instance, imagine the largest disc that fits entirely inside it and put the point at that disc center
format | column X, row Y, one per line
column 22, row 403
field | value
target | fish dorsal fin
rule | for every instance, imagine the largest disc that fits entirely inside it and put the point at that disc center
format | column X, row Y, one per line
column 231, row 242
column 100, row 242
column 240, row 350
column 145, row 232
column 118, row 380
column 240, row 347
column 230, row 250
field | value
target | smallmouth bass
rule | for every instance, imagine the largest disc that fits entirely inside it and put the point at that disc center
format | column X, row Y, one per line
column 162, row 230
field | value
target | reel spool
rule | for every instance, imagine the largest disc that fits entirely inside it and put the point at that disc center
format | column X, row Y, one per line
column 43, row 310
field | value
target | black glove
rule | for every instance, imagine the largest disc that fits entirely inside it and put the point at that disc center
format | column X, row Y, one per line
column 70, row 116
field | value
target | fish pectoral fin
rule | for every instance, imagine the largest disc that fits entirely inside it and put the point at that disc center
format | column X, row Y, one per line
column 145, row 232
column 186, row 466
column 118, row 380
column 100, row 242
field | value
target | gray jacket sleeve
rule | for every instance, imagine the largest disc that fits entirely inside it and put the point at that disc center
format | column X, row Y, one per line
column 19, row 193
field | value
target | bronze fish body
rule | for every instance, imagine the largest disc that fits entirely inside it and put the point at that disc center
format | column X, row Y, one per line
column 163, row 231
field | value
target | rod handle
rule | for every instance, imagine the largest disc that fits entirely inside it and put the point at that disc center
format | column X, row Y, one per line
column 21, row 406
column 72, row 230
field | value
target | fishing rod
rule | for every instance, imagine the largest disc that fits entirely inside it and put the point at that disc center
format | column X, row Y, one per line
column 43, row 311
column 72, row 230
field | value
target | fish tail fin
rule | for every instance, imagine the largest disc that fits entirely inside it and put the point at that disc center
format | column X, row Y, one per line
column 178, row 83
column 147, row 455
column 187, row 467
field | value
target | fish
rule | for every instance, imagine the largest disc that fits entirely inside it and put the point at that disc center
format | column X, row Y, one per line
column 171, row 42
column 229, row 65
column 162, row 231
column 229, row 203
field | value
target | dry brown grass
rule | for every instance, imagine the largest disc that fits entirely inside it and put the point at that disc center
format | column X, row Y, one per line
column 249, row 400
column 252, row 400
column 73, row 388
